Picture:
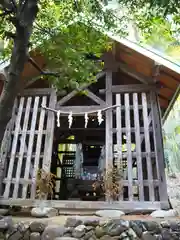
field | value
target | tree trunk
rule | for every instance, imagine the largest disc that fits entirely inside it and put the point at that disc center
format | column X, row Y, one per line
column 24, row 24
column 19, row 56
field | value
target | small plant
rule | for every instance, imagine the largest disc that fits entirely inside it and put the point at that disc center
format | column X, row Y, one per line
column 110, row 183
column 45, row 182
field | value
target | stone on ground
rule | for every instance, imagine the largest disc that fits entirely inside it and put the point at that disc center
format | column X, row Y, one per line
column 110, row 213
column 4, row 211
column 79, row 231
column 44, row 212
column 53, row 231
column 35, row 236
column 5, row 223
column 73, row 221
column 164, row 213
column 37, row 227
column 148, row 236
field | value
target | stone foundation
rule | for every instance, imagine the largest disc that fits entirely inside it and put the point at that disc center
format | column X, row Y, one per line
column 90, row 228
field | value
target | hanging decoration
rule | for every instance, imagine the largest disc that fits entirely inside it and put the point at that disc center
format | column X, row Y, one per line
column 99, row 116
column 70, row 119
column 86, row 119
column 58, row 118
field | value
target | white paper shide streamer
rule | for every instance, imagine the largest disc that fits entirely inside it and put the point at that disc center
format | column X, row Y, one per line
column 86, row 120
column 58, row 118
column 70, row 119
column 99, row 116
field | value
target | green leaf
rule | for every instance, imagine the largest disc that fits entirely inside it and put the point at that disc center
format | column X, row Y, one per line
column 177, row 130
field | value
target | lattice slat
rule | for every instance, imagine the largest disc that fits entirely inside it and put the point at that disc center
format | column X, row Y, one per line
column 119, row 134
column 30, row 145
column 22, row 146
column 148, row 147
column 38, row 147
column 138, row 141
column 128, row 143
column 14, row 146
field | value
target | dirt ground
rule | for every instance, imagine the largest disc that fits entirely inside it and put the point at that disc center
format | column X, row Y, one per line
column 173, row 187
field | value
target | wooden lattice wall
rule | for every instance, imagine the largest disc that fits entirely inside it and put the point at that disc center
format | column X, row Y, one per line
column 136, row 126
column 30, row 140
column 30, row 143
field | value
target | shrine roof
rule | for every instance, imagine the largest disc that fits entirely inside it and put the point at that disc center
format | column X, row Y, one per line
column 141, row 61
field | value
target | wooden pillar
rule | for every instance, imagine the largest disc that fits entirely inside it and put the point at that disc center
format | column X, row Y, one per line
column 50, row 133
column 158, row 142
column 109, row 121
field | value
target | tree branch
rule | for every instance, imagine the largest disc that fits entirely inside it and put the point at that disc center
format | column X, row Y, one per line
column 55, row 74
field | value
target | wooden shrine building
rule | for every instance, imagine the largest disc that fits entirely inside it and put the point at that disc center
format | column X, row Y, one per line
column 133, row 93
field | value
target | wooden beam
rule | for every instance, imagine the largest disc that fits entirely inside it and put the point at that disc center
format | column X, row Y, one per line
column 158, row 143
column 75, row 91
column 95, row 98
column 36, row 92
column 124, row 182
column 148, row 147
column 172, row 102
column 112, row 64
column 50, row 134
column 114, row 130
column 81, row 129
column 123, row 205
column 109, row 121
column 138, row 76
column 131, row 88
column 83, row 141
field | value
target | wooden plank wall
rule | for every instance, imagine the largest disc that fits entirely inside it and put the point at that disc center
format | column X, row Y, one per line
column 137, row 115
column 31, row 143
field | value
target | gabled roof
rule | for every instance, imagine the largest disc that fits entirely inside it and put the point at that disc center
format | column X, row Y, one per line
column 140, row 61
column 149, row 53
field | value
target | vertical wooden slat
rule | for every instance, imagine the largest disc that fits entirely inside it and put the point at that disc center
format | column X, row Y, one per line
column 49, row 133
column 6, row 143
column 13, row 151
column 38, row 147
column 158, row 144
column 128, row 142
column 22, row 146
column 138, row 146
column 149, row 122
column 30, row 145
column 109, row 123
column 119, row 135
column 148, row 147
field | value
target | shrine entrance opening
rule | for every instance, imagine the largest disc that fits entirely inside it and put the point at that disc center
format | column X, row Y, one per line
column 78, row 155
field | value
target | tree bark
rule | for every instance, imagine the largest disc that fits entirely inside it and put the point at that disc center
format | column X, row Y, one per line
column 25, row 17
column 23, row 21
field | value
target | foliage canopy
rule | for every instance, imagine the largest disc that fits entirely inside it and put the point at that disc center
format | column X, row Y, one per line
column 65, row 32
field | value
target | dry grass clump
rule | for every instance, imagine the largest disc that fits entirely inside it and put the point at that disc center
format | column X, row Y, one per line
column 110, row 183
column 45, row 182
